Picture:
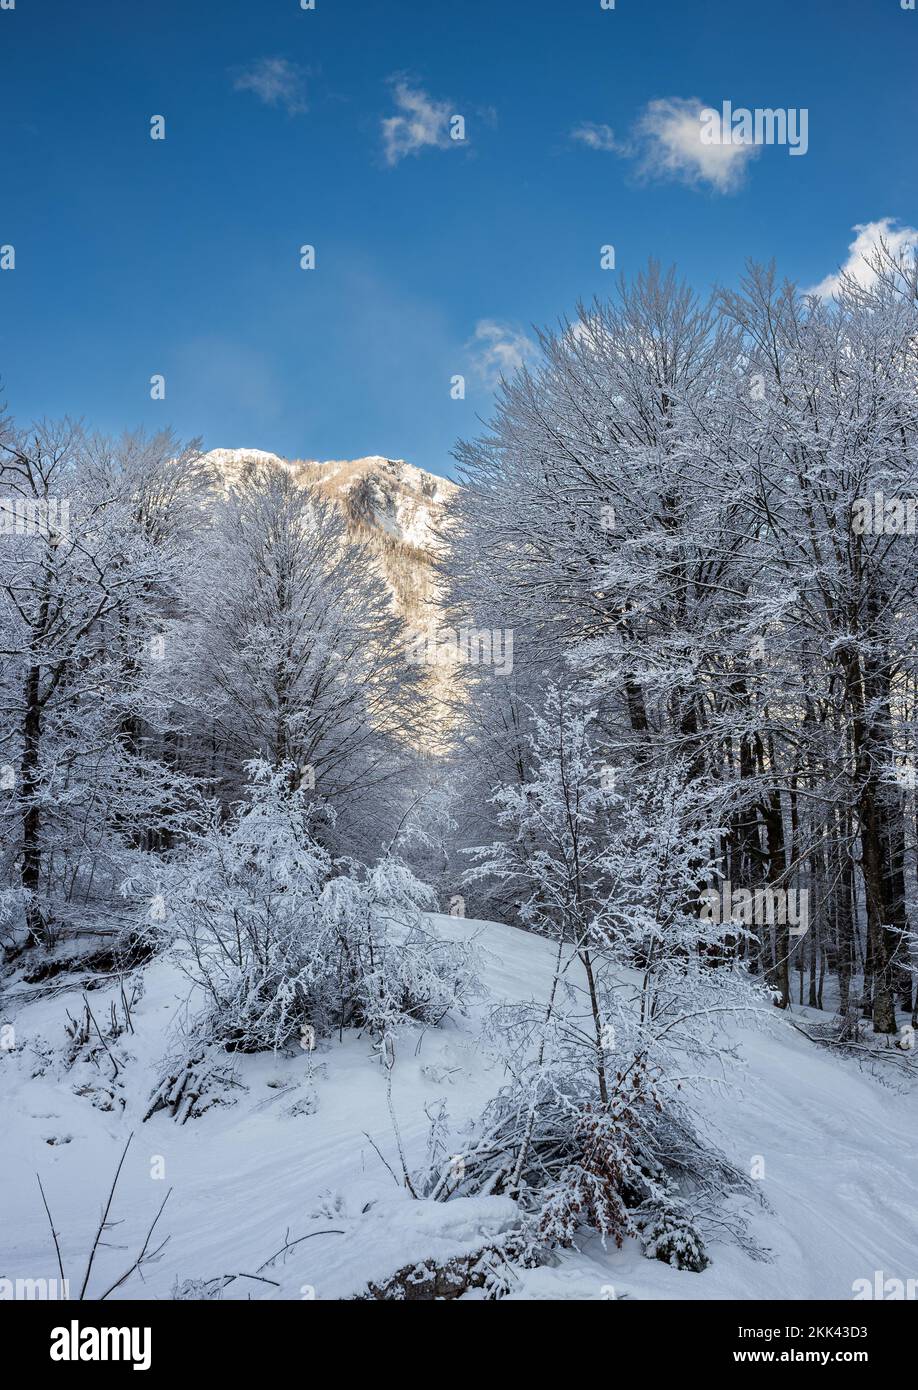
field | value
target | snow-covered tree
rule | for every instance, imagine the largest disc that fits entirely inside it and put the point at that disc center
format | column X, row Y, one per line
column 300, row 654
column 285, row 943
column 642, row 985
column 87, row 579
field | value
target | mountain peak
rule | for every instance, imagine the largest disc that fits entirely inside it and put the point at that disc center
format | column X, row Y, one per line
column 389, row 495
column 402, row 500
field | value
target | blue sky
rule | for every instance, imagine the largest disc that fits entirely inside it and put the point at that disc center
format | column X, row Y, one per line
column 434, row 257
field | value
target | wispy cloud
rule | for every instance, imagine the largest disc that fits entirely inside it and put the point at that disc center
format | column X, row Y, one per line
column 665, row 141
column 668, row 138
column 497, row 349
column 868, row 236
column 421, row 123
column 276, row 82
column 597, row 137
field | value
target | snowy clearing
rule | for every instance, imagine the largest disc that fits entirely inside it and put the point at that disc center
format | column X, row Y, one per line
column 294, row 1155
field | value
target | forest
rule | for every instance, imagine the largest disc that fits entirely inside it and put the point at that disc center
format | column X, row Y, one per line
column 683, row 763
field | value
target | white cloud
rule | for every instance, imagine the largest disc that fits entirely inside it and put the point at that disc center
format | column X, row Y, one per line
column 498, row 350
column 422, row 123
column 276, row 82
column 669, row 145
column 597, row 137
column 869, row 234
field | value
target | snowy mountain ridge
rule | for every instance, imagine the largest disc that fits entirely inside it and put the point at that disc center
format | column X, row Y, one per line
column 393, row 496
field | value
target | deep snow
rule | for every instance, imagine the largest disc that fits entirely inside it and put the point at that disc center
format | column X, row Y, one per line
column 292, row 1156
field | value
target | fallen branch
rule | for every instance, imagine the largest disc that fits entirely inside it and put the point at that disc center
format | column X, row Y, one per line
column 289, row 1244
column 887, row 1054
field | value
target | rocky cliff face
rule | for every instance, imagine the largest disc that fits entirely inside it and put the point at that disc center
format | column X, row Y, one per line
column 394, row 507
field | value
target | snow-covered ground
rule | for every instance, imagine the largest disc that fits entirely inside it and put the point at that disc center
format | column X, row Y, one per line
column 295, row 1154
